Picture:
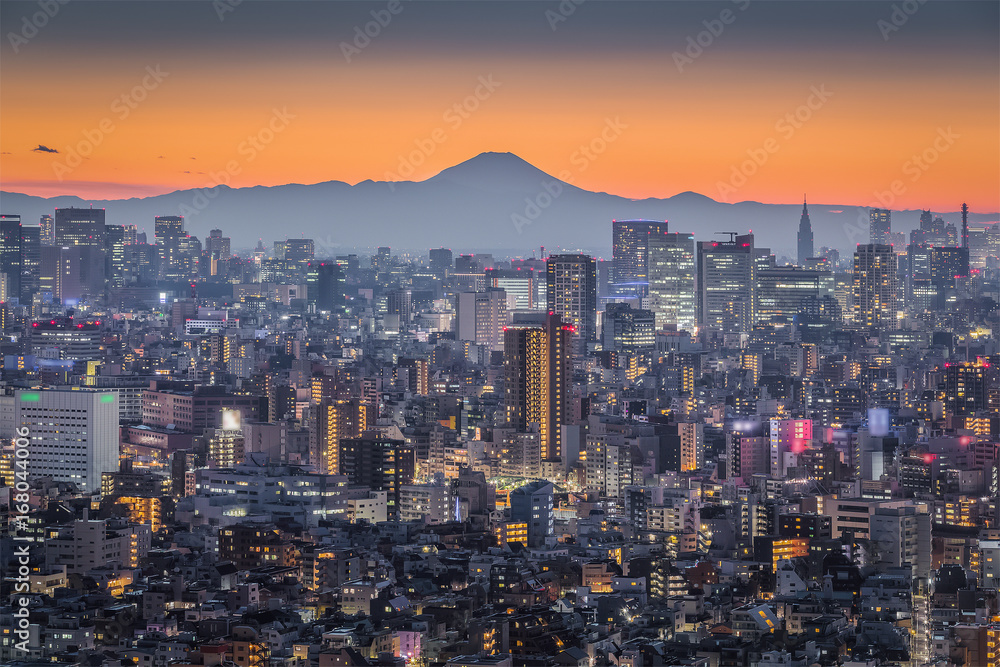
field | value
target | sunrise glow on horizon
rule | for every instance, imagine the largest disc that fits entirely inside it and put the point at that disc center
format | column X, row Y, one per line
column 886, row 104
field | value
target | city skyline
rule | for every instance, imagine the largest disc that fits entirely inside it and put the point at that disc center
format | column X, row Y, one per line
column 157, row 115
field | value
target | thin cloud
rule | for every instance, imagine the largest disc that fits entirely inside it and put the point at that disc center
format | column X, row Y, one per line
column 42, row 148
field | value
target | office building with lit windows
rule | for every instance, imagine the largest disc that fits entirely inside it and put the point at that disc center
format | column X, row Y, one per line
column 538, row 366
column 628, row 254
column 726, row 284
column 880, row 226
column 571, row 292
column 74, row 434
column 671, row 276
column 875, row 283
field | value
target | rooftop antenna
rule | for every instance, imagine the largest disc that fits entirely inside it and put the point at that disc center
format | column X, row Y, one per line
column 732, row 236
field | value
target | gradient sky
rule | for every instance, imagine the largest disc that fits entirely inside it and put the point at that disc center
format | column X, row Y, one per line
column 891, row 99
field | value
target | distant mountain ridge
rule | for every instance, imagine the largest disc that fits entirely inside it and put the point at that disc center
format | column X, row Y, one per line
column 491, row 202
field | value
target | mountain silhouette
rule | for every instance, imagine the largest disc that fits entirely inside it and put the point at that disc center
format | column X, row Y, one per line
column 491, row 202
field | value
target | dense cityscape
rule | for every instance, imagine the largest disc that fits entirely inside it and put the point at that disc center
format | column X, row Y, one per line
column 548, row 333
column 694, row 453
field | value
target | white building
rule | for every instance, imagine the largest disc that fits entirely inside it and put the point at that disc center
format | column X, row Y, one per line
column 88, row 544
column 430, row 503
column 74, row 434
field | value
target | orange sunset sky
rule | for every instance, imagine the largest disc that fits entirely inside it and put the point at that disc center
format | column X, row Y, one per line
column 929, row 88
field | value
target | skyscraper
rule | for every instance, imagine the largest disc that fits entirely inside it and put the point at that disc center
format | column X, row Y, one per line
column 538, row 368
column 114, row 255
column 10, row 257
column 380, row 463
column 805, row 235
column 325, row 286
column 880, row 226
column 335, row 421
column 82, row 231
column 671, row 274
column 726, row 283
column 47, row 223
column 875, row 287
column 571, row 292
column 31, row 260
column 217, row 252
column 169, row 233
column 628, row 252
column 80, row 227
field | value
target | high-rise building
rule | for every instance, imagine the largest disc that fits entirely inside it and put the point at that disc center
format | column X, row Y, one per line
column 399, row 303
column 48, row 227
column 671, row 279
column 31, row 261
column 966, row 386
column 805, row 237
column 571, row 293
column 335, row 421
column 217, row 252
column 684, row 447
column 726, row 284
column 521, row 283
column 80, row 227
column 114, row 255
column 380, row 463
column 10, row 256
column 880, row 226
column 875, row 282
column 325, row 286
column 783, row 291
column 74, row 434
column 538, row 367
column 132, row 235
column 171, row 244
column 382, row 259
column 441, row 262
column 628, row 253
column 299, row 250
column 480, row 317
column 82, row 230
